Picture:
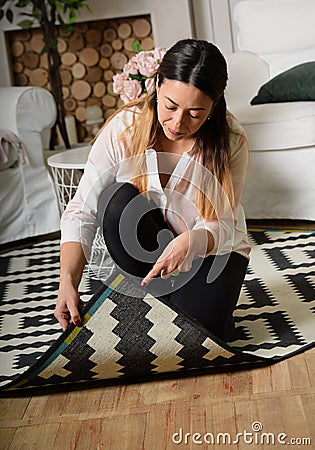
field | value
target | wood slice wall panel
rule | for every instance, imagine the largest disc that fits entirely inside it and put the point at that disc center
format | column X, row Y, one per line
column 90, row 57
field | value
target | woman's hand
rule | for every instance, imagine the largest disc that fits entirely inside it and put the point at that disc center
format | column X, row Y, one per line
column 179, row 254
column 72, row 262
column 68, row 306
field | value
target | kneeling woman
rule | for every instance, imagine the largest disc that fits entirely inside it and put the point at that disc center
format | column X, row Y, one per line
column 164, row 180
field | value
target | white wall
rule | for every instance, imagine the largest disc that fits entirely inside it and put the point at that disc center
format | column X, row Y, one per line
column 171, row 21
column 214, row 22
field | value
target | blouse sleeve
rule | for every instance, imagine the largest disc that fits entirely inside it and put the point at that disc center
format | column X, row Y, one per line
column 223, row 228
column 79, row 221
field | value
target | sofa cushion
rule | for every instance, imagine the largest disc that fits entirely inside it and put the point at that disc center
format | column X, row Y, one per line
column 278, row 125
column 296, row 84
column 281, row 32
column 275, row 26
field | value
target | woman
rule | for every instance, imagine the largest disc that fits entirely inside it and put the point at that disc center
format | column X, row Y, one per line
column 164, row 180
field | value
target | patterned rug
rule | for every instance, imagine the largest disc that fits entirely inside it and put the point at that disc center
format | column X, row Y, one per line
column 132, row 334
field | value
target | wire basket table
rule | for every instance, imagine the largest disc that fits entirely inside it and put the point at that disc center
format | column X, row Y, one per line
column 67, row 168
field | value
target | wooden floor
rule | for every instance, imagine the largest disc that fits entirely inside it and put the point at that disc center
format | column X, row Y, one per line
column 167, row 414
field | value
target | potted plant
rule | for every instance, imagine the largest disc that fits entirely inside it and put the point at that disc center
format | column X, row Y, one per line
column 48, row 14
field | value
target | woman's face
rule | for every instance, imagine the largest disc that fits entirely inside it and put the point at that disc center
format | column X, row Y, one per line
column 182, row 109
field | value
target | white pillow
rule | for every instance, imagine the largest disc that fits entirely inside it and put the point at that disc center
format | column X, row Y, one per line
column 275, row 26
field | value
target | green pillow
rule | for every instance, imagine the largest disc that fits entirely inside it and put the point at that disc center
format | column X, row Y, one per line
column 294, row 85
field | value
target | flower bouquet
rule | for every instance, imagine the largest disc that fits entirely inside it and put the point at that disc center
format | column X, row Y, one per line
column 139, row 74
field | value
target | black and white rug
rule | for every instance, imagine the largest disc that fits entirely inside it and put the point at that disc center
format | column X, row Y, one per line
column 134, row 334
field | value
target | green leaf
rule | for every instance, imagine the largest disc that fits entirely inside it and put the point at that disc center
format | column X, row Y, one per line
column 2, row 3
column 72, row 20
column 9, row 15
column 136, row 46
column 25, row 24
column 37, row 13
column 138, row 77
column 59, row 6
column 68, row 29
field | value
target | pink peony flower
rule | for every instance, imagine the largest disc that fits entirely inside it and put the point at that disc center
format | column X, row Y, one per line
column 159, row 54
column 118, row 82
column 139, row 75
column 131, row 67
column 150, row 84
column 132, row 89
column 146, row 63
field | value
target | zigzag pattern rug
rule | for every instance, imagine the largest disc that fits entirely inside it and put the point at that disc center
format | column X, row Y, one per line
column 125, row 336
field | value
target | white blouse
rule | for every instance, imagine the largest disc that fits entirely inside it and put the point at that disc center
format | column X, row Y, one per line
column 108, row 162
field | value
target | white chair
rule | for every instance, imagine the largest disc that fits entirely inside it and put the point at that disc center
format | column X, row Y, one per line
column 29, row 205
column 274, row 36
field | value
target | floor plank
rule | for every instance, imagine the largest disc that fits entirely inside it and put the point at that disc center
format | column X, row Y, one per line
column 158, row 430
column 37, row 437
column 123, row 431
column 111, row 397
column 310, row 364
column 299, row 374
column 6, row 437
column 280, row 377
column 246, row 414
column 308, row 402
column 36, row 407
column 67, row 436
column 55, row 404
column 89, row 434
column 262, row 380
column 13, row 408
column 223, row 421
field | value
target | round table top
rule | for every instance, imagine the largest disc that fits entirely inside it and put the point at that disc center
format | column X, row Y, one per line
column 74, row 158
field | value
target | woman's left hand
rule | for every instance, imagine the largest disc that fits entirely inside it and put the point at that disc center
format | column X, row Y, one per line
column 179, row 254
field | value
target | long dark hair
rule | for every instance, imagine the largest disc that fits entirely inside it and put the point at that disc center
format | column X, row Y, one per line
column 202, row 65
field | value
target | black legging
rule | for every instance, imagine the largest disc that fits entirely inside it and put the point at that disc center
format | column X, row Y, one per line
column 135, row 234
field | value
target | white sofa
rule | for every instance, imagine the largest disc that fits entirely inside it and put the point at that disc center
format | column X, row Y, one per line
column 28, row 201
column 273, row 36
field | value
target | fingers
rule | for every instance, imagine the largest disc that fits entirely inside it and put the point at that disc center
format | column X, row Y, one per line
column 64, row 321
column 152, row 274
column 174, row 259
column 68, row 310
column 174, row 273
column 185, row 267
column 65, row 318
column 164, row 273
column 75, row 315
